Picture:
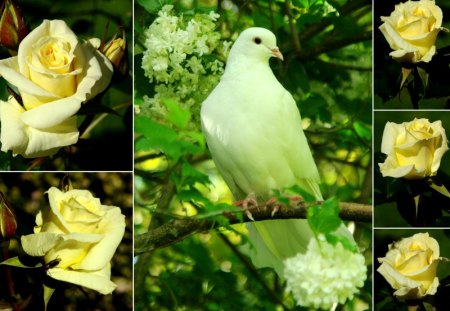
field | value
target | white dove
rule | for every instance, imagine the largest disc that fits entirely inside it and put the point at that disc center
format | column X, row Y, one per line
column 253, row 130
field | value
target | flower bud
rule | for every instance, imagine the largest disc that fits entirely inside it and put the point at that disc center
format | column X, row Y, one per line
column 116, row 51
column 13, row 27
column 8, row 223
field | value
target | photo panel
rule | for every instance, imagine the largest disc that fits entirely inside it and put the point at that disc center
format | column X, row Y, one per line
column 65, row 86
column 411, row 269
column 411, row 59
column 411, row 169
column 66, row 241
column 222, row 155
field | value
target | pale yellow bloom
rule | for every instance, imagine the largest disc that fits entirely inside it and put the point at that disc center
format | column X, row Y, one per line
column 410, row 266
column 411, row 30
column 80, row 235
column 414, row 149
column 54, row 74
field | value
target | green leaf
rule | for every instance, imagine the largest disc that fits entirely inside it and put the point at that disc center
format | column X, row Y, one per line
column 363, row 130
column 153, row 6
column 348, row 244
column 16, row 262
column 307, row 196
column 324, row 219
column 179, row 117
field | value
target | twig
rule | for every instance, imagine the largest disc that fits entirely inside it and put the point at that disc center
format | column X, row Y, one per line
column 100, row 118
column 294, row 34
column 252, row 270
column 334, row 45
column 178, row 229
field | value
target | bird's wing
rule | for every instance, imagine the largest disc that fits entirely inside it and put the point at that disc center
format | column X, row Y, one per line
column 258, row 145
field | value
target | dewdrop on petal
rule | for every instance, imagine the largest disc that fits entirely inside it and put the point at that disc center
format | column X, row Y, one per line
column 325, row 274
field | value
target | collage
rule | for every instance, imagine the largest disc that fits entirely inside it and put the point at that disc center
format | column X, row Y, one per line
column 224, row 155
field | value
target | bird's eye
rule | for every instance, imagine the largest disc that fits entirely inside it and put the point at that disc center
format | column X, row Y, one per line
column 257, row 40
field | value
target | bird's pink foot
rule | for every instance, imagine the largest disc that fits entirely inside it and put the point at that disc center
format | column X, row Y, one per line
column 273, row 203
column 249, row 201
column 295, row 199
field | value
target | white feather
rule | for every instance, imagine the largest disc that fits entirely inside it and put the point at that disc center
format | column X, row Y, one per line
column 253, row 130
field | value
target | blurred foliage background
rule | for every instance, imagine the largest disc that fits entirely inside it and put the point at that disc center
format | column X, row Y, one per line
column 383, row 292
column 108, row 145
column 26, row 193
column 327, row 68
column 388, row 74
column 386, row 212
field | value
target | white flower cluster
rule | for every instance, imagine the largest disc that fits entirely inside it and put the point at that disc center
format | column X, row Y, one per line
column 324, row 275
column 181, row 60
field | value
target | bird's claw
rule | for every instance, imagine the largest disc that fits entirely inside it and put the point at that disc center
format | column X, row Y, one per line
column 249, row 201
column 275, row 207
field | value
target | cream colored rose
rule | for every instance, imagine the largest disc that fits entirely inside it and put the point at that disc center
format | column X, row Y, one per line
column 410, row 266
column 54, row 74
column 411, row 30
column 79, row 234
column 414, row 149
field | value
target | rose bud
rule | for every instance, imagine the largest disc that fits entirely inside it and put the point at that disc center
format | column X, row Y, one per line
column 13, row 27
column 8, row 223
column 116, row 51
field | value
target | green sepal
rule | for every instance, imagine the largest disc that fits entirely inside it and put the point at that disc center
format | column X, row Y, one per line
column 48, row 292
column 16, row 262
column 423, row 76
column 439, row 187
column 405, row 74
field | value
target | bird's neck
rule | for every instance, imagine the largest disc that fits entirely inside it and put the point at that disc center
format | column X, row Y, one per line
column 238, row 66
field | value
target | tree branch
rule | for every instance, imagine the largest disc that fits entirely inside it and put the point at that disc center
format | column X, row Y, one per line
column 178, row 229
column 314, row 29
column 335, row 45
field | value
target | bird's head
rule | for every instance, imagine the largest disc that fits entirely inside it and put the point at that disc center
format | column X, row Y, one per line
column 257, row 43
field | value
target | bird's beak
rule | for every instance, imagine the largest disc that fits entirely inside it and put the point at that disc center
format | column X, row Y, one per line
column 276, row 52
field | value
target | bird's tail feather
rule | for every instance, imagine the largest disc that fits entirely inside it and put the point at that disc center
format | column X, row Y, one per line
column 272, row 241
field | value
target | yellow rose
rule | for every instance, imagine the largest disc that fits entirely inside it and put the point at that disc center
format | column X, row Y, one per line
column 411, row 30
column 414, row 149
column 78, row 236
column 410, row 266
column 54, row 74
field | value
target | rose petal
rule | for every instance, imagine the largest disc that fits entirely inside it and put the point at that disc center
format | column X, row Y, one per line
column 405, row 287
column 51, row 114
column 38, row 244
column 71, row 247
column 54, row 28
column 13, row 132
column 113, row 227
column 98, row 280
column 391, row 133
column 9, row 70
column 391, row 169
column 98, row 75
column 47, row 141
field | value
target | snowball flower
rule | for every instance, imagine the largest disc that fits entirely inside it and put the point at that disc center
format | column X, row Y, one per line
column 324, row 275
column 181, row 60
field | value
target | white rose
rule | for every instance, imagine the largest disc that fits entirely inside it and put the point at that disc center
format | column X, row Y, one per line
column 54, row 74
column 414, row 149
column 410, row 266
column 80, row 236
column 411, row 30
